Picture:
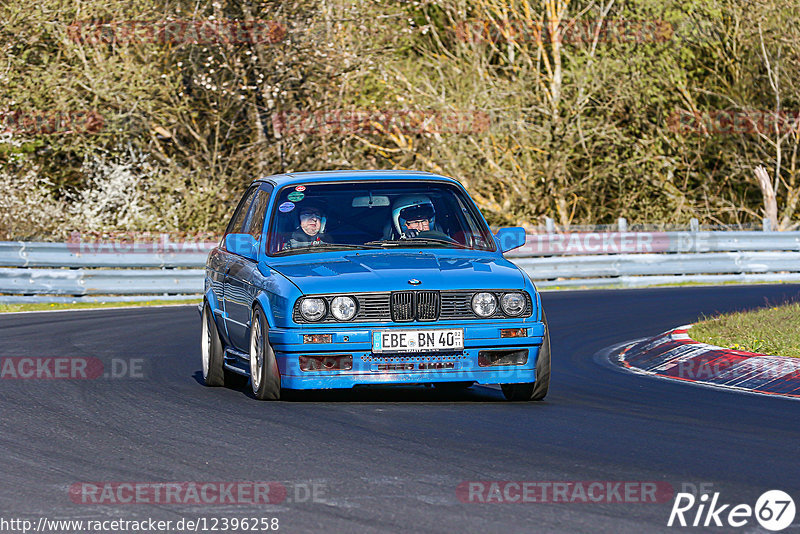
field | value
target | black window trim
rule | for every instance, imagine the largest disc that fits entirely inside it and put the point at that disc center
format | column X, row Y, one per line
column 228, row 229
column 261, row 186
column 474, row 211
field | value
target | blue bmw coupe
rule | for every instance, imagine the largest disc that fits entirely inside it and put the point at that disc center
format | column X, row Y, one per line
column 348, row 278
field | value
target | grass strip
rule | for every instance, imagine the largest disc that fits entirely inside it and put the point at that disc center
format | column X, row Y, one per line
column 774, row 330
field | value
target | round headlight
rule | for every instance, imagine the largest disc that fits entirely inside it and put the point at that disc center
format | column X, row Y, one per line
column 312, row 309
column 343, row 308
column 484, row 304
column 513, row 303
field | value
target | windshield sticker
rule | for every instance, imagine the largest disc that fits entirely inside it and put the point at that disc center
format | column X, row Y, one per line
column 295, row 196
column 286, row 207
column 300, row 188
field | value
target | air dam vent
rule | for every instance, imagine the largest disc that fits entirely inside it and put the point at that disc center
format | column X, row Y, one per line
column 493, row 358
column 437, row 365
column 395, row 367
column 420, row 366
column 338, row 362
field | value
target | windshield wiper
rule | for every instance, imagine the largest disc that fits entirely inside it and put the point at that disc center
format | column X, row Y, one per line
column 327, row 246
column 417, row 241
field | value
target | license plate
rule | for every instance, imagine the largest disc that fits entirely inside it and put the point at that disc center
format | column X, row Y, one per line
column 417, row 340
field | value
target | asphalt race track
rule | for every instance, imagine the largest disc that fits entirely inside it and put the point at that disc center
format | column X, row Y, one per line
column 390, row 460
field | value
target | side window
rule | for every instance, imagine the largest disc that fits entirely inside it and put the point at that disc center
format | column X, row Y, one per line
column 237, row 221
column 474, row 231
column 254, row 223
column 464, row 229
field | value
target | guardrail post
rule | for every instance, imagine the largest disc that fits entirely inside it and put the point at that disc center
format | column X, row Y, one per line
column 694, row 225
column 622, row 222
column 767, row 225
column 550, row 225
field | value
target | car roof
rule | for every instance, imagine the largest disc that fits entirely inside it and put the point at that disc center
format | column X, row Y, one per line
column 350, row 175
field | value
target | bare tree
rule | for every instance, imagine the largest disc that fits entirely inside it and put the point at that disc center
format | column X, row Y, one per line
column 768, row 192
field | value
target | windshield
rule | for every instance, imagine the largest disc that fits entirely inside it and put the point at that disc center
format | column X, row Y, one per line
column 375, row 215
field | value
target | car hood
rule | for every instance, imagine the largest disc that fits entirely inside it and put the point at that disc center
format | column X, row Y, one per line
column 368, row 272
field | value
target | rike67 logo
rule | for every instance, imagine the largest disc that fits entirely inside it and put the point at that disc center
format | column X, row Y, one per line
column 774, row 510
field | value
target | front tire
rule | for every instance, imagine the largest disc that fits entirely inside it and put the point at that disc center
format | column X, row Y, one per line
column 211, row 350
column 265, row 378
column 535, row 391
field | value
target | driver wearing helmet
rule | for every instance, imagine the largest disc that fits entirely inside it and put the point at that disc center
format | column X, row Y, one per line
column 412, row 215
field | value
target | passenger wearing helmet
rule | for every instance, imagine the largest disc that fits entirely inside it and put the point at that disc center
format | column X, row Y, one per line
column 312, row 227
column 412, row 215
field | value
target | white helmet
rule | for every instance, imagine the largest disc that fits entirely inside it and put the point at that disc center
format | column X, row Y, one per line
column 412, row 208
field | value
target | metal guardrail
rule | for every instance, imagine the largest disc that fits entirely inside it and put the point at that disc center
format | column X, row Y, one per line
column 101, row 281
column 119, row 270
column 659, row 264
column 112, row 254
column 53, row 272
column 591, row 243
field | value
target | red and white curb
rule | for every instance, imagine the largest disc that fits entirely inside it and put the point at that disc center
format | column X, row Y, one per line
column 675, row 355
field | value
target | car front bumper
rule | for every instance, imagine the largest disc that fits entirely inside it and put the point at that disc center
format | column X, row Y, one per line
column 370, row 368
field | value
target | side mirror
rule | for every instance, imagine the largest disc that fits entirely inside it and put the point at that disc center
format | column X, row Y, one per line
column 510, row 238
column 243, row 245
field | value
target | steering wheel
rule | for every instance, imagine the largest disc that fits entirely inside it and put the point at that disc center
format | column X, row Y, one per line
column 433, row 234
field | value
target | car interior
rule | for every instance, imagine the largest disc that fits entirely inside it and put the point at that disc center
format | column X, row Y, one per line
column 359, row 217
